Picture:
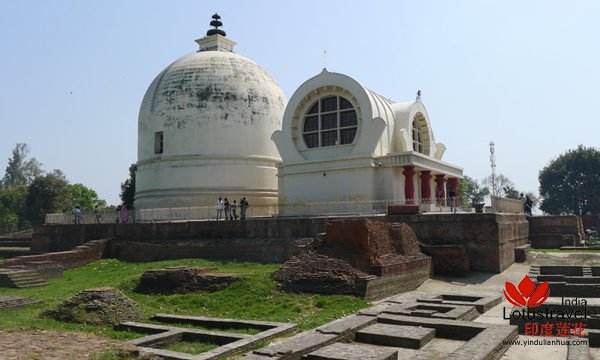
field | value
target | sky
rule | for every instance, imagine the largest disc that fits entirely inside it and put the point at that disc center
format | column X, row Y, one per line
column 523, row 74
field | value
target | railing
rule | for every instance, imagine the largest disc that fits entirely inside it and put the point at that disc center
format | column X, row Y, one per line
column 506, row 205
column 88, row 217
column 317, row 208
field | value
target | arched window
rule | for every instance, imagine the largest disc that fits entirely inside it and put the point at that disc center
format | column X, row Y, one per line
column 417, row 137
column 330, row 121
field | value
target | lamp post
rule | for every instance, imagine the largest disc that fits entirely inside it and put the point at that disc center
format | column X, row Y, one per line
column 493, row 165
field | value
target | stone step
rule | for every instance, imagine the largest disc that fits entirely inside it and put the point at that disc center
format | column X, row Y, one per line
column 21, row 278
column 20, row 286
column 12, row 302
column 23, row 274
column 30, row 281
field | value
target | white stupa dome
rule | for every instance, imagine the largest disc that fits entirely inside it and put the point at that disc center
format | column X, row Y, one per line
column 204, row 130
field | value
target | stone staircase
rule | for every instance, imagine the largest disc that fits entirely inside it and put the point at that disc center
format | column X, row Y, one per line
column 12, row 302
column 21, row 278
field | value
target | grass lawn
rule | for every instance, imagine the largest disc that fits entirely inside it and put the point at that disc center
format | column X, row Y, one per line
column 255, row 297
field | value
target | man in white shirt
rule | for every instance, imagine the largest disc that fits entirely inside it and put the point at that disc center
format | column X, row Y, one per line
column 220, row 206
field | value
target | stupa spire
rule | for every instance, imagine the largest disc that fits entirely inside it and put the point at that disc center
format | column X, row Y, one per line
column 215, row 39
column 216, row 23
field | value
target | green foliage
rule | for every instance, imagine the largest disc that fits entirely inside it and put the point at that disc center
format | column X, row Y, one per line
column 12, row 209
column 26, row 195
column 472, row 191
column 254, row 297
column 20, row 170
column 462, row 193
column 570, row 184
column 510, row 192
column 47, row 194
column 128, row 188
column 85, row 197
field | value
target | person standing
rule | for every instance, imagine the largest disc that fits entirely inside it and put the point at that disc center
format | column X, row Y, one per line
column 227, row 207
column 123, row 214
column 528, row 205
column 452, row 199
column 243, row 207
column 220, row 206
column 97, row 214
column 77, row 214
column 232, row 208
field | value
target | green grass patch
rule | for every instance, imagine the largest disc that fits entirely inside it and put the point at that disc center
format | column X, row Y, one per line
column 563, row 251
column 115, row 355
column 191, row 347
column 253, row 298
column 248, row 331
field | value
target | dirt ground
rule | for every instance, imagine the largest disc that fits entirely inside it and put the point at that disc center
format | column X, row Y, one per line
column 50, row 345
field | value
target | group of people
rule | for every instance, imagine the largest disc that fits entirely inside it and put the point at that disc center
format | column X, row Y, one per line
column 451, row 200
column 78, row 215
column 230, row 209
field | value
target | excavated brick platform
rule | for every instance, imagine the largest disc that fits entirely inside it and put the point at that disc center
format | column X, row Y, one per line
column 183, row 279
column 366, row 258
column 381, row 332
column 396, row 335
column 569, row 281
column 229, row 343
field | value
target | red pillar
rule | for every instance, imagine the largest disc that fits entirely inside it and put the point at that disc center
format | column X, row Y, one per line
column 453, row 185
column 425, row 186
column 440, row 191
column 409, row 184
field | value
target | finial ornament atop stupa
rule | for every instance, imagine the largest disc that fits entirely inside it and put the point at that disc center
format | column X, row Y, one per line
column 216, row 23
column 418, row 94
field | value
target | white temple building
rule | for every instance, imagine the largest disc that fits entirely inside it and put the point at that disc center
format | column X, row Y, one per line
column 215, row 124
column 341, row 141
column 204, row 130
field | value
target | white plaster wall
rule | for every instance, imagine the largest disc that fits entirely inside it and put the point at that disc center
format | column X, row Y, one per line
column 347, row 184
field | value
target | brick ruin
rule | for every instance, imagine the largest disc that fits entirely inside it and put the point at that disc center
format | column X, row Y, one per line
column 100, row 306
column 405, row 326
column 183, row 279
column 366, row 258
column 553, row 232
column 178, row 328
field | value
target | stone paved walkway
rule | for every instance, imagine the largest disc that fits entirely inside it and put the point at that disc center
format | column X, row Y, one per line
column 54, row 345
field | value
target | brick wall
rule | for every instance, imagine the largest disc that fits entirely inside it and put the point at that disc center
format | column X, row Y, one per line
column 551, row 232
column 489, row 238
column 78, row 256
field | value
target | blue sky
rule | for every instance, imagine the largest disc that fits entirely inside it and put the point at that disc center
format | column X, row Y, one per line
column 521, row 73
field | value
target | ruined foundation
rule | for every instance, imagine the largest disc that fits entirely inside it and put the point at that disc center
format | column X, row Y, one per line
column 365, row 258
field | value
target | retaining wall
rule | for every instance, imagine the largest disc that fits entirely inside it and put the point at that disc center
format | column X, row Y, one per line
column 489, row 239
column 552, row 232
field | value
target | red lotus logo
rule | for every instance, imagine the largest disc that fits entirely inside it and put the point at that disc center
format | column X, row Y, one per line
column 528, row 294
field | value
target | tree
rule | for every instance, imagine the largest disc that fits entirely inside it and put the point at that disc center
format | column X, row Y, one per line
column 128, row 188
column 20, row 170
column 85, row 197
column 469, row 189
column 47, row 194
column 570, row 184
column 511, row 193
column 504, row 186
column 12, row 209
